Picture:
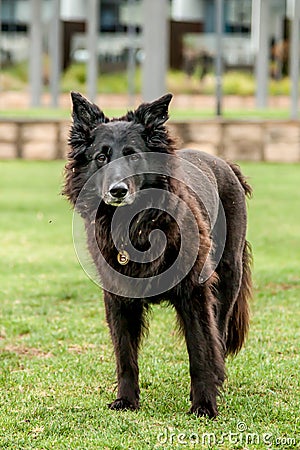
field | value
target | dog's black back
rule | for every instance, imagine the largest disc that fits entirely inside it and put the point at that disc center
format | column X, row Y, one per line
column 127, row 180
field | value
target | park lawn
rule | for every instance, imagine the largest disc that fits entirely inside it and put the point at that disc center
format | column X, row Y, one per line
column 57, row 370
column 177, row 113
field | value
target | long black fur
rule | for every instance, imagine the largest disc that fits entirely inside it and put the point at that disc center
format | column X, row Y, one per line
column 213, row 315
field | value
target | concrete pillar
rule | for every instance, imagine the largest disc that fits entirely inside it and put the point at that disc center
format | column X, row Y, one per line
column 156, row 44
column 36, row 50
column 0, row 40
column 55, row 41
column 260, row 39
column 93, row 17
column 294, row 59
column 131, row 65
column 219, row 54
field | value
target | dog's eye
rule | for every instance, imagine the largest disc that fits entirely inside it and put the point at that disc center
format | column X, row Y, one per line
column 101, row 158
column 134, row 157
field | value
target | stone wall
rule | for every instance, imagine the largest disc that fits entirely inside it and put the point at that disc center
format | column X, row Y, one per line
column 234, row 140
column 276, row 141
column 33, row 139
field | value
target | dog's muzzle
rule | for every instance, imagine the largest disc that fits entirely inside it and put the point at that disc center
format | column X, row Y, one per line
column 118, row 195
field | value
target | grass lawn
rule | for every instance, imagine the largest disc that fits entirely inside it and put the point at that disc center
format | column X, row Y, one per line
column 177, row 114
column 57, row 370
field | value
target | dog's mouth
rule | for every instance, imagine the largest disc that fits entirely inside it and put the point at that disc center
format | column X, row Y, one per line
column 113, row 201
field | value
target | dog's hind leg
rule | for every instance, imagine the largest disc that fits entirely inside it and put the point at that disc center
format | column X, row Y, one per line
column 126, row 322
column 197, row 320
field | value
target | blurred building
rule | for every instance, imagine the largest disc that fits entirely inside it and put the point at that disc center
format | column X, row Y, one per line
column 192, row 28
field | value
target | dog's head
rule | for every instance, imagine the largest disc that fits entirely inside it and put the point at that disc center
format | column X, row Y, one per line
column 111, row 151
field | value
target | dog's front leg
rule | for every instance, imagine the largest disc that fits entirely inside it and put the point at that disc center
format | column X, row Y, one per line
column 125, row 320
column 197, row 320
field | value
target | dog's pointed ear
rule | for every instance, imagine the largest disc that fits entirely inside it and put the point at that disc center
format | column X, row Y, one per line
column 153, row 114
column 86, row 113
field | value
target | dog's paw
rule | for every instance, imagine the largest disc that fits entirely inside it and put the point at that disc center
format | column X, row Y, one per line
column 204, row 411
column 121, row 404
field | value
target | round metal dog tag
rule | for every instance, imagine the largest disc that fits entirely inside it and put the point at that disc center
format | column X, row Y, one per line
column 123, row 257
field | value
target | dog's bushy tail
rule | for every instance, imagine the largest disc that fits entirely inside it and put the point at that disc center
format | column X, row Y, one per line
column 238, row 325
column 239, row 321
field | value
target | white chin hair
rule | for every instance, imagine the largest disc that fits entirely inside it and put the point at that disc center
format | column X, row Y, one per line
column 126, row 201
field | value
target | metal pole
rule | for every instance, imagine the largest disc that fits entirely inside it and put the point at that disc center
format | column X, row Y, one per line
column 93, row 20
column 294, row 59
column 131, row 65
column 0, row 40
column 36, row 49
column 219, row 55
column 155, row 48
column 55, row 39
column 261, row 17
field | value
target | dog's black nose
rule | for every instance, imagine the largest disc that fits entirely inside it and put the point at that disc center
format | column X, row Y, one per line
column 119, row 190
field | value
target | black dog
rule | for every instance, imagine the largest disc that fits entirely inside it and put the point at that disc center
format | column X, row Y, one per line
column 127, row 180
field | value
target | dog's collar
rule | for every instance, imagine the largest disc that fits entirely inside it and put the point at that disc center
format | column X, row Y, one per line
column 123, row 256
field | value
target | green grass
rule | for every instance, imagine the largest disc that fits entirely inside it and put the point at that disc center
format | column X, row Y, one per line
column 74, row 78
column 56, row 362
column 176, row 114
